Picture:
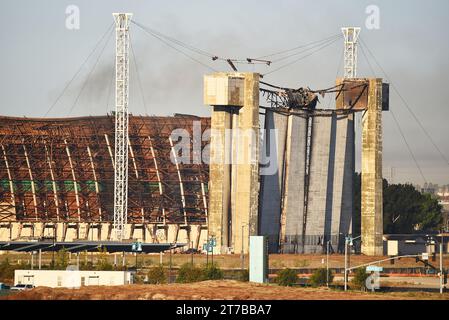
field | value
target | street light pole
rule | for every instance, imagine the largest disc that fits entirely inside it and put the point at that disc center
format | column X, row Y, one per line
column 327, row 264
column 346, row 263
column 441, row 267
column 348, row 240
column 242, row 256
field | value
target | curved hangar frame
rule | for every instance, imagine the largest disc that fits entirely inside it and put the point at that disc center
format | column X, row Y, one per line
column 62, row 170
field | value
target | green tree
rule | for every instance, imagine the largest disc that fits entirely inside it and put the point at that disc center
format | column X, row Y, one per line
column 431, row 217
column 405, row 209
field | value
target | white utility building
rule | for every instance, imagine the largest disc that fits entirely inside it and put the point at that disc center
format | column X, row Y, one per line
column 72, row 278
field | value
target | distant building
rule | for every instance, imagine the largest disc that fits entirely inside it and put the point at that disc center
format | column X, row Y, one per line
column 443, row 191
column 429, row 188
column 444, row 201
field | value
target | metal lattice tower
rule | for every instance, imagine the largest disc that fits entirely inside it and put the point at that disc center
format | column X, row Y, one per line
column 121, row 123
column 351, row 35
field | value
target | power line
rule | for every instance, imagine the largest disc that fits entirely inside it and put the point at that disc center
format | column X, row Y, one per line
column 90, row 73
column 180, row 43
column 406, row 105
column 138, row 75
column 301, row 58
column 408, row 146
column 173, row 47
column 298, row 47
column 196, row 50
column 108, row 97
column 398, row 125
column 307, row 49
column 336, row 75
column 367, row 61
column 79, row 69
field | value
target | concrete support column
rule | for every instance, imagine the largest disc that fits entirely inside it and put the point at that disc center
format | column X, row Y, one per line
column 372, row 220
column 234, row 159
column 220, row 177
column 246, row 189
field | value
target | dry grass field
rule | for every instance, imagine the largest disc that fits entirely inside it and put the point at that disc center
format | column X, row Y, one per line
column 223, row 289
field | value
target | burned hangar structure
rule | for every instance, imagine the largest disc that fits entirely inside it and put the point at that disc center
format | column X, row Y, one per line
column 57, row 179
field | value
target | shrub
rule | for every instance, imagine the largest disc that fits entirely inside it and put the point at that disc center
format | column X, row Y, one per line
column 212, row 272
column 86, row 265
column 301, row 263
column 319, row 277
column 286, row 277
column 244, row 275
column 139, row 279
column 7, row 269
column 188, row 273
column 62, row 260
column 103, row 263
column 358, row 281
column 157, row 275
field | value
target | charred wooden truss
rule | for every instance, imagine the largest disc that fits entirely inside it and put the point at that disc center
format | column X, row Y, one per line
column 62, row 170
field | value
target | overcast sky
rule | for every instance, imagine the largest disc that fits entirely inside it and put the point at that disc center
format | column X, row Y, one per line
column 40, row 55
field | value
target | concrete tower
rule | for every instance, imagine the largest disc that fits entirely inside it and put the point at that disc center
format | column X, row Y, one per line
column 234, row 159
column 372, row 195
column 369, row 96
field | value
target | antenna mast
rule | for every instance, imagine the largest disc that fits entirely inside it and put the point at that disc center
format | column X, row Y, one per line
column 351, row 35
column 121, row 123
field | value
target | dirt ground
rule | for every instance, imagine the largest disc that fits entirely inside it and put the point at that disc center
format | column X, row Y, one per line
column 206, row 290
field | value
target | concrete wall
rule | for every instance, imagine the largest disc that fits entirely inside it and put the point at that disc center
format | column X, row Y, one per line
column 72, row 279
column 271, row 185
column 344, row 175
column 330, row 195
column 319, row 214
column 293, row 206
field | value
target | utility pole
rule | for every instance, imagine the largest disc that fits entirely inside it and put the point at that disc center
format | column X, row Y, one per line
column 122, row 21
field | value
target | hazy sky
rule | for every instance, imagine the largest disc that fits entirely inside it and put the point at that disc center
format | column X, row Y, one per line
column 40, row 55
